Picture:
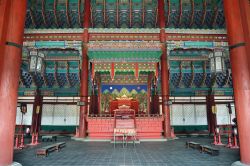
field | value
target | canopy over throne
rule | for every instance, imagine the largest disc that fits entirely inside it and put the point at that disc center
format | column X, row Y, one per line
column 124, row 102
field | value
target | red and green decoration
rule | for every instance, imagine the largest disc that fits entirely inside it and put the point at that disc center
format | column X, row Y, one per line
column 125, row 14
column 146, row 55
column 120, row 68
column 112, row 92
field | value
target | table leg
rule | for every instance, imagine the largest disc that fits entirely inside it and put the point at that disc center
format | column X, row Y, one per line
column 123, row 139
column 114, row 140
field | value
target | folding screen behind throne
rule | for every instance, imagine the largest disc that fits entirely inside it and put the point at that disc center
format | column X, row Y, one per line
column 124, row 102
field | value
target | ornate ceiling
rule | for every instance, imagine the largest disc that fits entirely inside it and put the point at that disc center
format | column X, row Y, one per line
column 189, row 74
column 193, row 76
column 125, row 14
column 60, row 76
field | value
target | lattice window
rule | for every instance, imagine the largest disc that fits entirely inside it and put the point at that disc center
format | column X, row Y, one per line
column 201, row 114
column 188, row 114
column 60, row 114
column 177, row 114
column 72, row 115
column 223, row 114
column 47, row 114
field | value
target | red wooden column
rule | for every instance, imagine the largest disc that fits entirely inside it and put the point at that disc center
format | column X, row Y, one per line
column 155, row 103
column 241, row 74
column 99, row 93
column 4, row 18
column 84, row 94
column 164, row 71
column 93, row 108
column 37, row 114
column 10, row 61
column 92, row 100
column 245, row 15
column 161, row 14
column 209, row 108
column 211, row 117
column 84, row 73
column 95, row 104
column 149, row 111
column 165, row 93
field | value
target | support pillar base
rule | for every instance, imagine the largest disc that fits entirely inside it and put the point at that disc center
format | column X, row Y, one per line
column 79, row 139
column 238, row 163
column 15, row 164
column 171, row 138
column 33, row 144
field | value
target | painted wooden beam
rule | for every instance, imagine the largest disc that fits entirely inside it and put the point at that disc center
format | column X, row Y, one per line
column 44, row 77
column 43, row 13
column 192, row 77
column 143, row 13
column 55, row 75
column 79, row 13
column 87, row 14
column 67, row 13
column 203, row 17
column 124, row 37
column 32, row 18
column 192, row 14
column 161, row 14
column 130, row 13
column 180, row 77
column 216, row 13
column 104, row 13
column 117, row 13
column 55, row 15
column 91, row 17
column 67, row 74
column 180, row 13
column 169, row 12
column 204, row 74
column 156, row 16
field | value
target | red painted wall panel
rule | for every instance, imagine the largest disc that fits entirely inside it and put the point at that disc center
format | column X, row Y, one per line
column 146, row 127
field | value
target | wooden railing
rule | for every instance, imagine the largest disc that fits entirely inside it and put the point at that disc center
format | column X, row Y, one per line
column 111, row 116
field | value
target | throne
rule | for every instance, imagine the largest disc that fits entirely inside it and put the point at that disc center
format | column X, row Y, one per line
column 124, row 102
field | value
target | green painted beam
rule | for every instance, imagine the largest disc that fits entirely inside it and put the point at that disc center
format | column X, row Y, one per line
column 134, row 56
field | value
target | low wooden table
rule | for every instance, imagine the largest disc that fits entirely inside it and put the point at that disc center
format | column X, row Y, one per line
column 209, row 149
column 44, row 151
column 49, row 138
column 193, row 145
column 60, row 145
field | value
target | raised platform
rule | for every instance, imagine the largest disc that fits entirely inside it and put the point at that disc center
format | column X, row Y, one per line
column 110, row 140
column 90, row 140
column 146, row 127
